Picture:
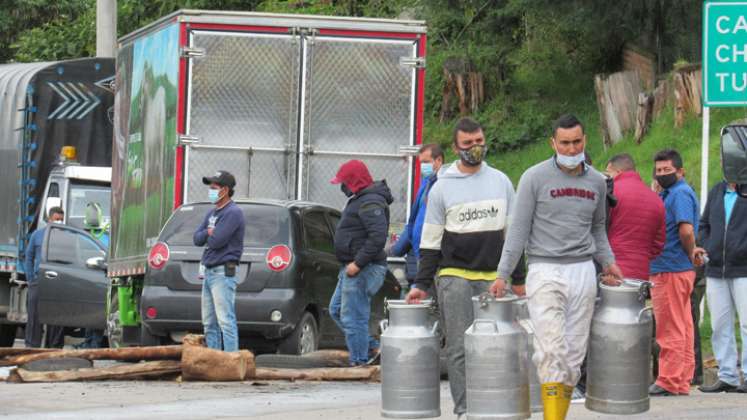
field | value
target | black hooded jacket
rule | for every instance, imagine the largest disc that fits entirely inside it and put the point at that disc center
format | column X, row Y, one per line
column 726, row 245
column 364, row 227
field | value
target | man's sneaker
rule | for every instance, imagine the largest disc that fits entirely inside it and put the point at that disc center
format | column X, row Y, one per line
column 578, row 397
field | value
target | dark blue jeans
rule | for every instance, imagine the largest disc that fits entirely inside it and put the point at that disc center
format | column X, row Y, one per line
column 350, row 308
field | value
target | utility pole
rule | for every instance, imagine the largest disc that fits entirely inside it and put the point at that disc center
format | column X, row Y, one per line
column 106, row 28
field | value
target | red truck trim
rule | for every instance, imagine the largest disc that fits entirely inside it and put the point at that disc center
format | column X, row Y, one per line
column 367, row 34
column 419, row 111
column 241, row 28
column 181, row 121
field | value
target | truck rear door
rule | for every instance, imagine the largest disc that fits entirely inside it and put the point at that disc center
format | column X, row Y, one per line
column 70, row 293
column 359, row 103
column 242, row 111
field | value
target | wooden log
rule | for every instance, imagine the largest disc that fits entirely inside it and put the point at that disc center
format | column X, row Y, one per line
column 361, row 373
column 602, row 107
column 446, row 96
column 643, row 116
column 124, row 354
column 194, row 340
column 8, row 352
column 204, row 364
column 661, row 98
column 150, row 370
column 681, row 100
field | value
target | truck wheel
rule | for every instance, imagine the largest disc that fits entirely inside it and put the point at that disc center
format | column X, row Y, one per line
column 304, row 338
column 114, row 331
column 7, row 334
column 149, row 339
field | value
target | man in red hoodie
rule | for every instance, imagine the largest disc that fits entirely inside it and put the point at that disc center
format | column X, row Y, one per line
column 637, row 223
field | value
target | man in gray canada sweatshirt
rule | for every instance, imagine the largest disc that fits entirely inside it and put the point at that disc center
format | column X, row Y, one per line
column 558, row 219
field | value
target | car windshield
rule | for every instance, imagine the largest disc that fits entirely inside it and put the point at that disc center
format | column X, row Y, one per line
column 79, row 197
column 266, row 225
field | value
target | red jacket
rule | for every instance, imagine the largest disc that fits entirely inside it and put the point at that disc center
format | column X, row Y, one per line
column 637, row 229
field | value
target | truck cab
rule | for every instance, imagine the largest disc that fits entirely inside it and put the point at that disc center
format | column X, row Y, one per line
column 72, row 187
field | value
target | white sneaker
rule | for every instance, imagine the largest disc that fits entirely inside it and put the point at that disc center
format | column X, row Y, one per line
column 578, row 397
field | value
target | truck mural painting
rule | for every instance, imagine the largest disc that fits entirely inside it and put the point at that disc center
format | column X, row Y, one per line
column 44, row 107
column 280, row 101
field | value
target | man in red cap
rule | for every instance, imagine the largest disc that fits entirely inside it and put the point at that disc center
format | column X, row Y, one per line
column 360, row 237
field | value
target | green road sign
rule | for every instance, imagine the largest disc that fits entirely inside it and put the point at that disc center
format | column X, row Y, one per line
column 725, row 53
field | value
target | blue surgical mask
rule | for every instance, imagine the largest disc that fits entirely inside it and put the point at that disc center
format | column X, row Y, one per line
column 213, row 195
column 426, row 169
column 570, row 162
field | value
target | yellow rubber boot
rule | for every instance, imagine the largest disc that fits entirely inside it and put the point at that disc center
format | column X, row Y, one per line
column 555, row 400
column 567, row 395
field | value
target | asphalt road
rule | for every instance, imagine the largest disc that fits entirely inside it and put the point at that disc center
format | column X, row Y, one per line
column 276, row 401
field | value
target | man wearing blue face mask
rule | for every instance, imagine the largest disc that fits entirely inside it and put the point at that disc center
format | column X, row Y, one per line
column 223, row 233
column 431, row 158
column 559, row 219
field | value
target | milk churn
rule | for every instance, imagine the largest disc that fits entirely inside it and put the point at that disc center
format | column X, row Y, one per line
column 410, row 374
column 535, row 389
column 496, row 361
column 619, row 357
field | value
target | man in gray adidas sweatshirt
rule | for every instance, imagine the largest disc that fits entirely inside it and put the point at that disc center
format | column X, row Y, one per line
column 465, row 221
column 558, row 219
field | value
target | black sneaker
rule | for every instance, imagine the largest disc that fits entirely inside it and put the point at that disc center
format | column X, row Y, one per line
column 742, row 389
column 657, row 391
column 719, row 386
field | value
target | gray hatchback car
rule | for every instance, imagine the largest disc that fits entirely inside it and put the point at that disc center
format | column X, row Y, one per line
column 287, row 276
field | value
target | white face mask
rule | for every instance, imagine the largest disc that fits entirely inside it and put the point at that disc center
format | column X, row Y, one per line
column 59, row 222
column 570, row 162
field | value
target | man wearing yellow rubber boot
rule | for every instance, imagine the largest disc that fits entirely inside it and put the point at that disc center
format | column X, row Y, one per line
column 559, row 217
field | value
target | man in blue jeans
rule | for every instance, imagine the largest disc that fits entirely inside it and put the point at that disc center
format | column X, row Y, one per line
column 223, row 233
column 359, row 245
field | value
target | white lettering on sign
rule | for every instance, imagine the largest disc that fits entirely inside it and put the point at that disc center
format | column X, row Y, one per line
column 740, row 26
column 731, row 53
column 736, row 84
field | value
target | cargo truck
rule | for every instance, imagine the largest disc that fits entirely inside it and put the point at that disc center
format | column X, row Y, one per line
column 281, row 101
column 55, row 150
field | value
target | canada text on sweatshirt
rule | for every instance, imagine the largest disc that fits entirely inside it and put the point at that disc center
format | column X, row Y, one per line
column 557, row 218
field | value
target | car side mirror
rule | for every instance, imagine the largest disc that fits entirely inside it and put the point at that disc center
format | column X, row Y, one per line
column 96, row 263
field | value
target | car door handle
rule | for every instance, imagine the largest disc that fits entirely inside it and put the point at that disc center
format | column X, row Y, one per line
column 50, row 275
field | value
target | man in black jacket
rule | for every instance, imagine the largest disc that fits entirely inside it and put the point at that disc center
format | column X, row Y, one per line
column 359, row 245
column 723, row 237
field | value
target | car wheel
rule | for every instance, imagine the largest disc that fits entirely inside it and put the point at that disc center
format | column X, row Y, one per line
column 304, row 338
column 147, row 338
column 7, row 334
column 114, row 331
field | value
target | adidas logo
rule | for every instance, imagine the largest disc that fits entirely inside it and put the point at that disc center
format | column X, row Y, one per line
column 476, row 214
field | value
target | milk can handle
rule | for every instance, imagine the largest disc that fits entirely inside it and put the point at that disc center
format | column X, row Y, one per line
column 435, row 328
column 384, row 324
column 486, row 321
column 640, row 313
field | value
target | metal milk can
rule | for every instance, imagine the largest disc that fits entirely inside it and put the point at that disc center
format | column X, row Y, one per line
column 535, row 389
column 496, row 361
column 410, row 374
column 619, row 359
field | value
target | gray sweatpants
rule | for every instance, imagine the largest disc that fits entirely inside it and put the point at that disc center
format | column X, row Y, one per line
column 455, row 303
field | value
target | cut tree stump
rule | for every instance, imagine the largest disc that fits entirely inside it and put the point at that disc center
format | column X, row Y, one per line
column 204, row 364
column 122, row 354
column 361, row 373
column 150, row 370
